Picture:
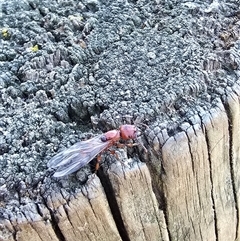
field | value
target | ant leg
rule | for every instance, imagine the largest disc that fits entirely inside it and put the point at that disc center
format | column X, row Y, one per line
column 96, row 167
column 98, row 163
column 113, row 152
column 131, row 144
column 141, row 144
column 121, row 145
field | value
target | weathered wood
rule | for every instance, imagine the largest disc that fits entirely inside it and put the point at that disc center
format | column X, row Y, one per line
column 217, row 133
column 27, row 224
column 187, row 186
column 66, row 64
column 138, row 206
column 85, row 216
column 197, row 176
column 233, row 109
column 197, row 169
column 6, row 230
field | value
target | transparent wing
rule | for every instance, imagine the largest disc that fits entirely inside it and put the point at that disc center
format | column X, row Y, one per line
column 77, row 156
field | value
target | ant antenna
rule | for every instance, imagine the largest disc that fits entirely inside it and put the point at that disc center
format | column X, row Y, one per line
column 127, row 119
column 141, row 144
column 139, row 134
column 142, row 124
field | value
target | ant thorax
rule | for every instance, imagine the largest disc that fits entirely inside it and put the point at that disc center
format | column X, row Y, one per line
column 128, row 132
column 113, row 135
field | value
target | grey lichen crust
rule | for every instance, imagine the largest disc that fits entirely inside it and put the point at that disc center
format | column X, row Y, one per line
column 65, row 63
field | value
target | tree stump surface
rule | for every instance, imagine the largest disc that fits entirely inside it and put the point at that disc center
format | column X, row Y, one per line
column 71, row 70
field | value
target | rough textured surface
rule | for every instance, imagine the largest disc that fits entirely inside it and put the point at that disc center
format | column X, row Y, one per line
column 141, row 216
column 85, row 216
column 72, row 69
column 196, row 190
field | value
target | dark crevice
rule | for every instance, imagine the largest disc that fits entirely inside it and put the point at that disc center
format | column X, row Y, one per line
column 162, row 206
column 56, row 229
column 159, row 194
column 192, row 162
column 113, row 205
column 54, row 223
column 14, row 234
column 156, row 210
column 190, row 151
column 68, row 217
column 211, row 179
column 157, row 186
column 31, row 225
column 78, row 113
column 234, row 187
column 212, row 197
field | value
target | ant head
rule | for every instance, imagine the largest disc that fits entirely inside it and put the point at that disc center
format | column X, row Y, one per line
column 128, row 132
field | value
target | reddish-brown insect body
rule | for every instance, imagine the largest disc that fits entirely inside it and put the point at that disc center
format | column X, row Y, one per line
column 128, row 132
column 113, row 135
column 78, row 155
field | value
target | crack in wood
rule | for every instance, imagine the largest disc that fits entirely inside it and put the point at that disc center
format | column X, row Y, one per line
column 231, row 161
column 211, row 178
column 54, row 222
column 113, row 205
